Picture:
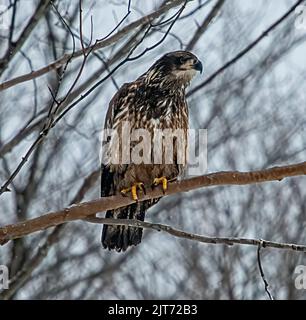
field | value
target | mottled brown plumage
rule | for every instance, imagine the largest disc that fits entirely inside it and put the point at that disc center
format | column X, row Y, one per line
column 156, row 100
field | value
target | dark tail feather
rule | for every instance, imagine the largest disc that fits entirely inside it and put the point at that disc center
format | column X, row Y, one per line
column 121, row 237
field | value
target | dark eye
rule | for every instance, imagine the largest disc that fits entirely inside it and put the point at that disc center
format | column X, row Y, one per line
column 183, row 60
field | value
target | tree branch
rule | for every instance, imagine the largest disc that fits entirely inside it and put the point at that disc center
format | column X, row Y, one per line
column 14, row 47
column 85, row 209
column 196, row 237
column 202, row 28
column 262, row 274
column 98, row 45
column 243, row 52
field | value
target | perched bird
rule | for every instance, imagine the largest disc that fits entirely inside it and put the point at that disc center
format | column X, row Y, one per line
column 156, row 100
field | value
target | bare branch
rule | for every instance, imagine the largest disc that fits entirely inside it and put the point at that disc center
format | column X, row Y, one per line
column 85, row 209
column 50, row 120
column 98, row 45
column 119, row 23
column 202, row 28
column 245, row 50
column 260, row 245
column 14, row 47
column 230, row 241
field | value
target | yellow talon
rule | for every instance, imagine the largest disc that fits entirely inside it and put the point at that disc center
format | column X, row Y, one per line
column 163, row 181
column 137, row 186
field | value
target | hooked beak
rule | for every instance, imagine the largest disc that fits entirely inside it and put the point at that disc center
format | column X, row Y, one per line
column 198, row 66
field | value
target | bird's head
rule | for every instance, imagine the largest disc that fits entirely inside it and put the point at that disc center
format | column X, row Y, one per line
column 177, row 66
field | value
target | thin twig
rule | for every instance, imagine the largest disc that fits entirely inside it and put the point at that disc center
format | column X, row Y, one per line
column 12, row 26
column 119, row 23
column 261, row 244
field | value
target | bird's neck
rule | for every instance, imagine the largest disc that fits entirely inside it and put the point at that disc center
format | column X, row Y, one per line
column 158, row 80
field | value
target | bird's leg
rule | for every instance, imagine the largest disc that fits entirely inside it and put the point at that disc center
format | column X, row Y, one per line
column 133, row 189
column 163, row 181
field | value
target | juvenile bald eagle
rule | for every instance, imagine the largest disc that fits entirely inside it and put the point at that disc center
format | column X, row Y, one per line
column 156, row 100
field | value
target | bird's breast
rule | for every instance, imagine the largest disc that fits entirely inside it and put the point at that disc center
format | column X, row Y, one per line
column 163, row 113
